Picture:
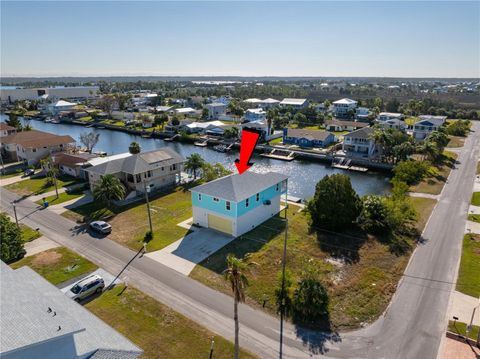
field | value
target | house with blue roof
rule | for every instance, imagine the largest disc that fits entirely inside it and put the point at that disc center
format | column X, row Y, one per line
column 307, row 138
column 237, row 204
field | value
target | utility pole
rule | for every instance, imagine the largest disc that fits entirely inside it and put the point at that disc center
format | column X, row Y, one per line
column 15, row 212
column 284, row 263
column 148, row 205
column 212, row 343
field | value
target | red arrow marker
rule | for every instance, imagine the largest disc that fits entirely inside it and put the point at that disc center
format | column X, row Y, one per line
column 247, row 145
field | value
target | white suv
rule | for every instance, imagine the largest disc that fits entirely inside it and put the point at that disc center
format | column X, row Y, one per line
column 86, row 287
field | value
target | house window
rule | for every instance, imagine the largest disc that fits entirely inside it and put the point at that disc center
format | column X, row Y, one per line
column 247, row 202
column 257, row 198
column 173, row 167
column 284, row 185
column 138, row 178
column 276, row 187
column 227, row 205
column 215, row 199
column 163, row 168
column 199, row 196
column 34, row 150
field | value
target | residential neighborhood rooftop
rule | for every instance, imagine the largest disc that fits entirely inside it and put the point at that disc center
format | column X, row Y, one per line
column 364, row 132
column 293, row 101
column 345, row 101
column 34, row 311
column 139, row 163
column 35, row 139
column 308, row 134
column 239, row 187
column 5, row 127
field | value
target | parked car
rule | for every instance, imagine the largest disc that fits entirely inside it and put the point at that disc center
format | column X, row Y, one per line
column 28, row 172
column 86, row 287
column 101, row 226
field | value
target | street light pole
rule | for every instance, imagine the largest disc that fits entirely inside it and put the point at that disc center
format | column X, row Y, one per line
column 284, row 263
column 15, row 213
column 147, row 189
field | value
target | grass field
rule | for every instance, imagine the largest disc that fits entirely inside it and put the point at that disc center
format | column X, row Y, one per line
column 476, row 198
column 461, row 328
column 438, row 174
column 157, row 329
column 57, row 265
column 39, row 185
column 28, row 234
column 474, row 218
column 130, row 224
column 62, row 197
column 468, row 280
column 360, row 272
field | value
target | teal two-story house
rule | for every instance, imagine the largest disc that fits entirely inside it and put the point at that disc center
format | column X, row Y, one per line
column 236, row 204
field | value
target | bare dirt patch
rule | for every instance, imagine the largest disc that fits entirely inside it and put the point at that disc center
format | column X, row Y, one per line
column 46, row 258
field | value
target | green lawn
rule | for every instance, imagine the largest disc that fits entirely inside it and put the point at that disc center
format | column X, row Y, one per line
column 476, row 198
column 130, row 224
column 157, row 329
column 474, row 218
column 39, row 185
column 85, row 119
column 437, row 176
column 468, row 280
column 57, row 265
column 28, row 234
column 62, row 197
column 461, row 328
column 360, row 284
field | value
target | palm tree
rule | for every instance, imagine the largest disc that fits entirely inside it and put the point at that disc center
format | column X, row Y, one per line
column 234, row 274
column 429, row 149
column 134, row 148
column 193, row 163
column 108, row 189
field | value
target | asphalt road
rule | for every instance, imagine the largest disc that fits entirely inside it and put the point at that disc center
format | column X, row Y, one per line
column 412, row 326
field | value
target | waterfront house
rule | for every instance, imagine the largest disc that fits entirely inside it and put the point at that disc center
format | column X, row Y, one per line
column 385, row 116
column 255, row 114
column 236, row 204
column 296, row 103
column 32, row 146
column 344, row 108
column 340, row 126
column 6, row 130
column 39, row 321
column 307, row 138
column 262, row 126
column 186, row 111
column 426, row 125
column 60, row 106
column 216, row 110
column 253, row 101
column 359, row 143
column 73, row 164
column 203, row 127
column 157, row 169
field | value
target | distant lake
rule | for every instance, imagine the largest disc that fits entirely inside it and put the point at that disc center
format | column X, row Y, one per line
column 303, row 175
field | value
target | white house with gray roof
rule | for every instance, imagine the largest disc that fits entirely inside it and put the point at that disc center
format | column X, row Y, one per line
column 360, row 143
column 39, row 321
column 426, row 125
column 237, row 204
column 157, row 169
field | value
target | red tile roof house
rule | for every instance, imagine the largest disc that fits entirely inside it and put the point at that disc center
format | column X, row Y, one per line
column 6, row 130
column 32, row 146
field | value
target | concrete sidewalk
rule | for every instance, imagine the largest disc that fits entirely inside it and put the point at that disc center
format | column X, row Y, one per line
column 63, row 207
column 39, row 245
column 36, row 197
column 10, row 180
column 473, row 209
column 472, row 227
column 462, row 305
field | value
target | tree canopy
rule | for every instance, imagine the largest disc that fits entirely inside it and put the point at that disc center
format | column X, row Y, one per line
column 335, row 204
column 10, row 240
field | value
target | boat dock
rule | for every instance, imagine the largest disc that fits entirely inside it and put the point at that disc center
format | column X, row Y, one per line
column 345, row 164
column 279, row 155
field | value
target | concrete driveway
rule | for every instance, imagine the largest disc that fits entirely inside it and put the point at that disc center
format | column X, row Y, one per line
column 184, row 254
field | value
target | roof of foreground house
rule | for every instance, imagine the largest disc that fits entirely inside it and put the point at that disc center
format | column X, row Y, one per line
column 36, row 139
column 36, row 312
column 139, row 163
column 365, row 132
column 5, row 127
column 239, row 187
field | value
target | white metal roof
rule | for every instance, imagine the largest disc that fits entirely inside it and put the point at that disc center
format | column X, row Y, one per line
column 345, row 101
column 100, row 160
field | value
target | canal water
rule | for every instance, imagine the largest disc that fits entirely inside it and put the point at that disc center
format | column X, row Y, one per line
column 303, row 175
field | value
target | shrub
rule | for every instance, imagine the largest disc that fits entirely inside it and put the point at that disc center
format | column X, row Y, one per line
column 10, row 240
column 410, row 171
column 374, row 215
column 310, row 300
column 458, row 128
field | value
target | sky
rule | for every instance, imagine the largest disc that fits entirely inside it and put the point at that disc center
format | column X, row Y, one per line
column 387, row 39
